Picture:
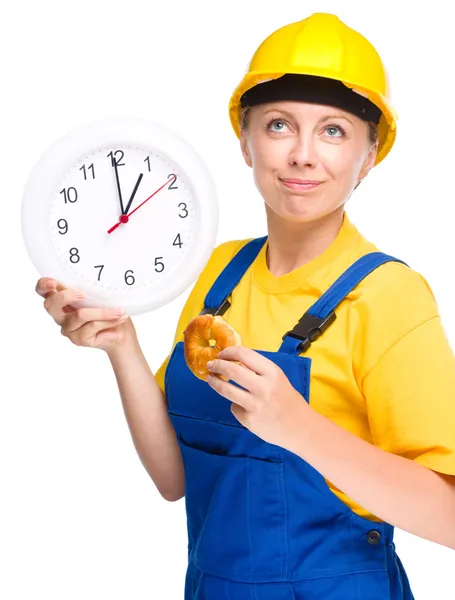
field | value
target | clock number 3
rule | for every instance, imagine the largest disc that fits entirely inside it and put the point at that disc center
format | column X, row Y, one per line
column 184, row 209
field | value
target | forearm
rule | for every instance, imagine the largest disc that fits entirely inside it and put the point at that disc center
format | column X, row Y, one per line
column 151, row 429
column 395, row 489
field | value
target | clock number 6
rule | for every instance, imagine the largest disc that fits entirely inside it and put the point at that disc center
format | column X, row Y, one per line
column 129, row 279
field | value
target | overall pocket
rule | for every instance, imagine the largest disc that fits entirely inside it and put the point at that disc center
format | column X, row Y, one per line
column 236, row 513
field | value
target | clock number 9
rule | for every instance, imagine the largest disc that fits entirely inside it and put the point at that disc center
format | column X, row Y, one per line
column 64, row 227
column 69, row 194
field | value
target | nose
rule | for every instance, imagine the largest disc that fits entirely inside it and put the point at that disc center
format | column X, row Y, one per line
column 303, row 151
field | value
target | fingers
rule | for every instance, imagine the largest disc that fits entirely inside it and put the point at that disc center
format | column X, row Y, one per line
column 242, row 375
column 233, row 393
column 248, row 357
column 45, row 285
column 57, row 299
column 56, row 302
column 85, row 316
column 79, row 325
column 86, row 334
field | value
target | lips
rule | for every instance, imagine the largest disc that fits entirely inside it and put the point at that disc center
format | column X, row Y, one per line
column 301, row 181
column 300, row 184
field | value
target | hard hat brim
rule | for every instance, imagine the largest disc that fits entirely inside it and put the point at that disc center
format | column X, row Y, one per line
column 387, row 123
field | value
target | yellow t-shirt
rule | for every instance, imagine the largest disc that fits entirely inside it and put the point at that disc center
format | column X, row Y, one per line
column 383, row 370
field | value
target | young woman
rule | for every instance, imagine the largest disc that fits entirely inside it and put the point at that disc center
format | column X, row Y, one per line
column 335, row 421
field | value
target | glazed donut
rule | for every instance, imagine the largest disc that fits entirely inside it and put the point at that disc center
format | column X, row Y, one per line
column 204, row 338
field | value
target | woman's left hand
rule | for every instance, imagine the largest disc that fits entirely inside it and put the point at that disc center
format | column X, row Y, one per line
column 269, row 406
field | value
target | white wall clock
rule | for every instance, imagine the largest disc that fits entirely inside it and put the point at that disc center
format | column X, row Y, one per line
column 124, row 209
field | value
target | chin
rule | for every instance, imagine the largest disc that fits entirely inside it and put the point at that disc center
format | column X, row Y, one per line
column 301, row 214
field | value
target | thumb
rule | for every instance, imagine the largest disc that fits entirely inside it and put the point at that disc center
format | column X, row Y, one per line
column 239, row 413
column 46, row 286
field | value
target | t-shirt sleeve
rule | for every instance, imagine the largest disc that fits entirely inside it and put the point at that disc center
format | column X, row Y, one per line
column 219, row 258
column 410, row 389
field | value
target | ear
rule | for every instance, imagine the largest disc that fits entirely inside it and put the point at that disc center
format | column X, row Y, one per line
column 369, row 161
column 245, row 149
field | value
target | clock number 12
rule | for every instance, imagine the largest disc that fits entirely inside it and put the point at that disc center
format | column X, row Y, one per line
column 115, row 160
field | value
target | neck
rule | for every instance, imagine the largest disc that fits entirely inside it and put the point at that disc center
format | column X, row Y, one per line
column 292, row 245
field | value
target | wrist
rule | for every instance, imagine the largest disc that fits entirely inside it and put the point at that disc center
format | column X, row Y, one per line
column 128, row 346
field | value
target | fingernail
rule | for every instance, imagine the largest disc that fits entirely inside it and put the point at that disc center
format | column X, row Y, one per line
column 210, row 364
column 124, row 318
column 49, row 284
column 80, row 295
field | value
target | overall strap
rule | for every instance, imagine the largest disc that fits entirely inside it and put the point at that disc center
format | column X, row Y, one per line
column 322, row 313
column 216, row 301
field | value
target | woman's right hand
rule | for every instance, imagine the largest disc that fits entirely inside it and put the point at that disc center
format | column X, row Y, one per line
column 103, row 328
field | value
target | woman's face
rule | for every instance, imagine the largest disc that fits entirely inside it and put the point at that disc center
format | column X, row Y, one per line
column 289, row 142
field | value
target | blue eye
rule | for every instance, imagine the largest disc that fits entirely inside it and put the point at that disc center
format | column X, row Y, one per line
column 335, row 127
column 276, row 122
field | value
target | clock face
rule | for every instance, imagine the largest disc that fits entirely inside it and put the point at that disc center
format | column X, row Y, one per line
column 123, row 209
column 101, row 246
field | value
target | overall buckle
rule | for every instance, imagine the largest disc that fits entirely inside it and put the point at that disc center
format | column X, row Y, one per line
column 216, row 311
column 310, row 328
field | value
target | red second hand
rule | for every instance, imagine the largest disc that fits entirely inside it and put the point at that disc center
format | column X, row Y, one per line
column 125, row 218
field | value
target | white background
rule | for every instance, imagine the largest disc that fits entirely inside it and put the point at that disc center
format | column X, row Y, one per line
column 80, row 516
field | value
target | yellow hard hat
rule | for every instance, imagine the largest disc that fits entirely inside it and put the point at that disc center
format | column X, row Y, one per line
column 322, row 45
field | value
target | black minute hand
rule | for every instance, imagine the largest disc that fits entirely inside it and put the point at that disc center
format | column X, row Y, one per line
column 118, row 185
column 133, row 194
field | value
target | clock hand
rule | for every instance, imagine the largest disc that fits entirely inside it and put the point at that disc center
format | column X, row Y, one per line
column 125, row 218
column 118, row 185
column 133, row 194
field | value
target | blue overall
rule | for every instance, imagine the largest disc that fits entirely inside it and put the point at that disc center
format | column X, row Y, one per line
column 262, row 523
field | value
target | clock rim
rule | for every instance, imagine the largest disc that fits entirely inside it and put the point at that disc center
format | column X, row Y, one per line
column 69, row 148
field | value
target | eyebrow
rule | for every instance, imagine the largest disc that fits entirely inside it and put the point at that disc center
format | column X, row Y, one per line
column 289, row 114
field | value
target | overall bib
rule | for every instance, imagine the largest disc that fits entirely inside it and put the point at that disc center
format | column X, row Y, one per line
column 262, row 523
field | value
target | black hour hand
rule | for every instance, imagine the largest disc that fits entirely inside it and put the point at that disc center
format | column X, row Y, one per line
column 133, row 194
